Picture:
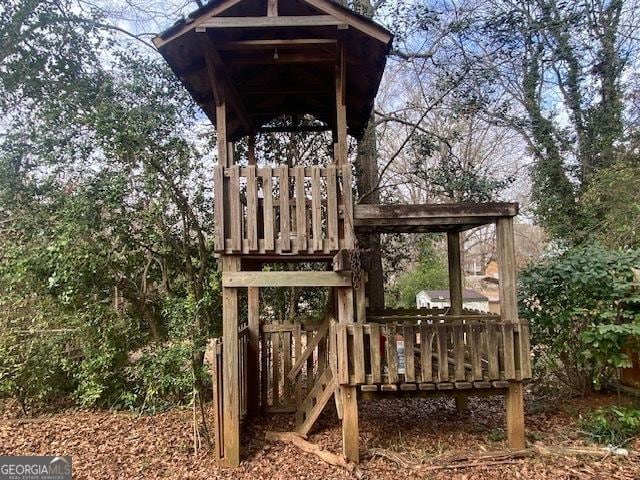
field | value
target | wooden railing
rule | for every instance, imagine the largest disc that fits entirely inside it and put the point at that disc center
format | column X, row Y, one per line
column 283, row 210
column 284, row 380
column 442, row 352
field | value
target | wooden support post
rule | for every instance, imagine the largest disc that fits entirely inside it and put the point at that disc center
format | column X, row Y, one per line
column 509, row 312
column 348, row 394
column 341, row 109
column 455, row 272
column 253, row 301
column 231, row 368
column 221, row 130
column 506, row 269
column 515, row 416
column 462, row 404
column 350, row 433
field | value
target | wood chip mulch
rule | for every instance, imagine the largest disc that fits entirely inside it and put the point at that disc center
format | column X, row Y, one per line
column 108, row 445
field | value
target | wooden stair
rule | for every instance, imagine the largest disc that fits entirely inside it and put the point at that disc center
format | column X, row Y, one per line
column 314, row 403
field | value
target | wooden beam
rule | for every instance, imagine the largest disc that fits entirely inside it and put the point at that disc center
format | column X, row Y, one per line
column 455, row 272
column 295, row 128
column 365, row 26
column 231, row 368
column 270, row 22
column 282, row 58
column 341, row 108
column 447, row 210
column 231, row 94
column 507, row 270
column 253, row 382
column 514, row 403
column 286, row 279
column 275, row 43
column 162, row 40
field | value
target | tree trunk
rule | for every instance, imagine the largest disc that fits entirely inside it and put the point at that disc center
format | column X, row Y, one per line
column 366, row 181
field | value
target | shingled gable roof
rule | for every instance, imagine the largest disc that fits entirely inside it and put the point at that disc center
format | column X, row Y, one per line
column 295, row 79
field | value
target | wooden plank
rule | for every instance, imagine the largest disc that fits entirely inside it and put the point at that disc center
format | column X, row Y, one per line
column 221, row 132
column 392, row 353
column 231, row 374
column 507, row 270
column 267, row 189
column 440, row 212
column 455, row 272
column 235, row 220
column 474, row 334
column 286, row 366
column 347, row 198
column 332, row 207
column 515, row 416
column 316, row 210
column 253, row 317
column 264, row 371
column 309, row 349
column 458, row 351
column 270, row 44
column 275, row 364
column 301, row 209
column 509, row 357
column 287, row 279
column 374, row 348
column 285, row 213
column 289, row 21
column 427, row 332
column 350, row 434
column 358, row 353
column 443, row 360
column 278, row 327
column 525, row 349
column 343, row 354
column 252, row 208
column 409, row 355
column 272, row 8
column 493, row 366
column 361, row 303
column 408, row 387
column 310, row 376
column 371, row 29
column 218, row 180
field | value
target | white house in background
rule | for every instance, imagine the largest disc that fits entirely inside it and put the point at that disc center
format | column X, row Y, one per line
column 471, row 299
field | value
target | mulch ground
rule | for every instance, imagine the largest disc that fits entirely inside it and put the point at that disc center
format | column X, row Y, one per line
column 108, row 445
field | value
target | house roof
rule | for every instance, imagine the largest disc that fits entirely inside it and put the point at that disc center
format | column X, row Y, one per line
column 467, row 294
column 294, row 77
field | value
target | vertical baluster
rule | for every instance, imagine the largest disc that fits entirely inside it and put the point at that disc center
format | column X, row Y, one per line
column 285, row 211
column 409, row 355
column 358, row 353
column 267, row 188
column 332, row 208
column 376, row 357
column 252, row 208
column 443, row 354
column 392, row 353
column 301, row 209
column 218, row 179
column 316, row 208
column 235, row 209
column 426, row 339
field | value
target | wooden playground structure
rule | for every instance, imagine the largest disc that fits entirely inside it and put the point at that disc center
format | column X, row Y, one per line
column 248, row 62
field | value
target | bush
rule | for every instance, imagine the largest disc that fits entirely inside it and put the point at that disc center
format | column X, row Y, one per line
column 611, row 426
column 160, row 378
column 583, row 306
column 34, row 354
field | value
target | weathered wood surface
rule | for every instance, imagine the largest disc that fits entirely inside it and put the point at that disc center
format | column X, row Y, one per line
column 429, row 218
column 286, row 279
column 468, row 354
column 282, row 210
